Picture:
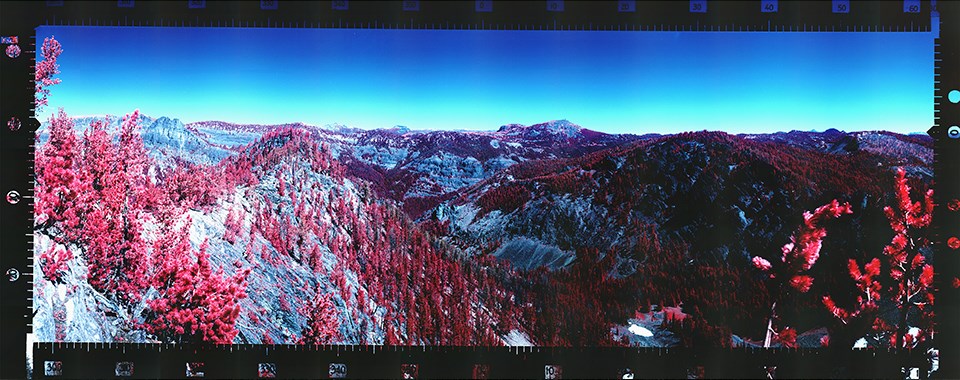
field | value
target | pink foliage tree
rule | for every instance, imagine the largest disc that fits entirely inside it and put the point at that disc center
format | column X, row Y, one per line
column 195, row 303
column 912, row 293
column 233, row 226
column 46, row 69
column 117, row 254
column 53, row 263
column 98, row 157
column 58, row 185
column 100, row 181
column 323, row 327
column 797, row 257
column 97, row 195
column 133, row 163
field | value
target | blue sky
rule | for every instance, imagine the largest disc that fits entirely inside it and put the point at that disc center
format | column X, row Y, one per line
column 617, row 82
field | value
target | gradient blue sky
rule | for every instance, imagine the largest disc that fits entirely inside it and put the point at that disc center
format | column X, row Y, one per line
column 617, row 82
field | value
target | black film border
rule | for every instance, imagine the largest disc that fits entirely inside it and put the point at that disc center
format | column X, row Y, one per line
column 16, row 149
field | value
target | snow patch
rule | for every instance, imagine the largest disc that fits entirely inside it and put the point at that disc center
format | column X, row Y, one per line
column 69, row 305
column 860, row 343
column 30, row 339
column 516, row 338
column 646, row 329
column 640, row 330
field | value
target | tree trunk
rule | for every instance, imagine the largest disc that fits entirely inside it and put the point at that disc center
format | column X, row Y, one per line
column 769, row 336
column 902, row 327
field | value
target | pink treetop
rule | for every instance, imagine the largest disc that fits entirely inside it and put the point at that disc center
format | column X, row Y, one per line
column 117, row 252
column 803, row 250
column 98, row 157
column 804, row 247
column 134, row 161
column 761, row 263
column 797, row 257
column 57, row 182
column 907, row 220
column 53, row 263
column 46, row 69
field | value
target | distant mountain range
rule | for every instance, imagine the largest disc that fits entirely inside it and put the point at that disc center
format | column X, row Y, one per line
column 538, row 197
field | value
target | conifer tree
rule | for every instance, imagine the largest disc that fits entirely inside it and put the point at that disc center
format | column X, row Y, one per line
column 889, row 311
column 797, row 257
column 195, row 303
column 58, row 185
column 323, row 327
column 46, row 69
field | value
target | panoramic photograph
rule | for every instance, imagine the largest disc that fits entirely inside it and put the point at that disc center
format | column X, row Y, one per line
column 483, row 188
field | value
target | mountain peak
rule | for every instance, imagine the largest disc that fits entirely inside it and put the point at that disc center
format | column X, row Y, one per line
column 398, row 129
column 562, row 123
column 509, row 127
column 554, row 128
column 164, row 120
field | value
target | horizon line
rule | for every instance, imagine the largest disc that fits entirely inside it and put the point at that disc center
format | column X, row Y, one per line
column 493, row 130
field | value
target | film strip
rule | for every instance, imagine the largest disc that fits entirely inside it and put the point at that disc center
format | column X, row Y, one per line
column 295, row 361
column 134, row 360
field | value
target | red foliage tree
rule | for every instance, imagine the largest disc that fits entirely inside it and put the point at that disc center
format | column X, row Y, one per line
column 46, row 69
column 53, row 263
column 504, row 198
column 133, row 162
column 195, row 303
column 797, row 257
column 98, row 159
column 323, row 327
column 284, row 303
column 117, row 252
column 58, row 185
column 233, row 226
column 188, row 185
column 696, row 332
column 912, row 278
